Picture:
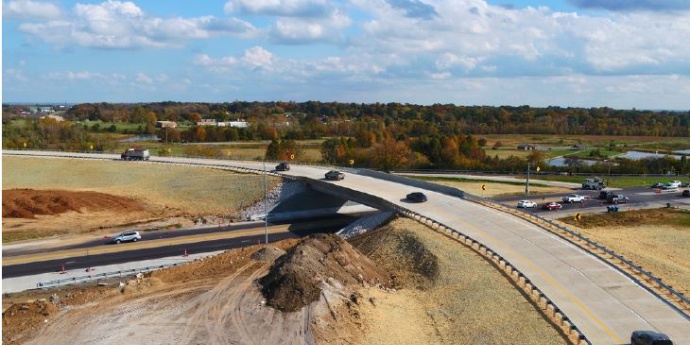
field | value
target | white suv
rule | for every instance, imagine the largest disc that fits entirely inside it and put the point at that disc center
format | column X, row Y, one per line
column 526, row 204
column 127, row 236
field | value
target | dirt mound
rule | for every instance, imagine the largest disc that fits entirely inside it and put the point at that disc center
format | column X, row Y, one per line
column 268, row 254
column 27, row 203
column 295, row 278
column 401, row 254
column 30, row 315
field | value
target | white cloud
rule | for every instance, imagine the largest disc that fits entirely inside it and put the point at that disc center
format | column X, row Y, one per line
column 258, row 57
column 115, row 24
column 143, row 78
column 282, row 8
column 12, row 74
column 32, row 10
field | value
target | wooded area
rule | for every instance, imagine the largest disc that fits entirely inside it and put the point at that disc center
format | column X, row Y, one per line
column 383, row 136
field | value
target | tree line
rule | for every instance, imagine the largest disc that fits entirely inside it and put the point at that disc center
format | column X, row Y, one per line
column 383, row 136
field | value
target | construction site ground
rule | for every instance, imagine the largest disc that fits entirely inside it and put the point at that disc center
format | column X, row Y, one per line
column 403, row 283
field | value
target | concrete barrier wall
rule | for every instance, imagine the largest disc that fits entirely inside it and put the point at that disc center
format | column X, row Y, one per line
column 412, row 182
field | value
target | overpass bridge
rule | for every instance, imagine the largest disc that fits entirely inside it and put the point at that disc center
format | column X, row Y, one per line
column 591, row 300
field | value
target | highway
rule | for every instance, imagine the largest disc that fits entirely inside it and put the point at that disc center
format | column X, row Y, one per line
column 25, row 261
column 605, row 304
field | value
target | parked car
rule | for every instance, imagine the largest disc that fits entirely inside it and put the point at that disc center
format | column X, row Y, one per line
column 649, row 338
column 685, row 192
column 573, row 198
column 127, row 236
column 552, row 206
column 617, row 199
column 526, row 204
column 416, row 197
column 283, row 166
column 335, row 175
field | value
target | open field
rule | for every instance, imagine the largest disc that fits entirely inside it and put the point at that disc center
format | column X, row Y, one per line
column 656, row 239
column 169, row 194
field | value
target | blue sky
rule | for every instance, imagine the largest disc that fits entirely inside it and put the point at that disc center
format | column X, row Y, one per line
column 582, row 53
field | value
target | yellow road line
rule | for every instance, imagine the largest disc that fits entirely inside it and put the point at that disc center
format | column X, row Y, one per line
column 546, row 276
column 20, row 259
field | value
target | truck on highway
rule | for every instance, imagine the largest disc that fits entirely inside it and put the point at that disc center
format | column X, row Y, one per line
column 135, row 155
column 617, row 199
column 571, row 198
column 593, row 183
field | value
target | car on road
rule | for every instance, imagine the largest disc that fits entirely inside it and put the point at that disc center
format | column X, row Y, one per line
column 649, row 338
column 617, row 199
column 686, row 192
column 127, row 236
column 416, row 197
column 335, row 175
column 526, row 204
column 604, row 195
column 573, row 198
column 669, row 189
column 552, row 206
column 283, row 166
column 657, row 185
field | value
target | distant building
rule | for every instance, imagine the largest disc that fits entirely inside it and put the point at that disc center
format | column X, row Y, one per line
column 237, row 124
column 166, row 124
column 526, row 147
column 207, row 122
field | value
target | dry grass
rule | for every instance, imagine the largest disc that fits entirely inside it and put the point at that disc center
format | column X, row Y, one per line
column 191, row 189
column 656, row 239
column 469, row 301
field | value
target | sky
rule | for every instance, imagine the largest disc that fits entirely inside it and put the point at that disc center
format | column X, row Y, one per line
column 621, row 54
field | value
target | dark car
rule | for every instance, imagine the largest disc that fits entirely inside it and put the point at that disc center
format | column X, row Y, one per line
column 283, row 166
column 334, row 175
column 686, row 192
column 604, row 195
column 657, row 185
column 617, row 199
column 649, row 338
column 416, row 197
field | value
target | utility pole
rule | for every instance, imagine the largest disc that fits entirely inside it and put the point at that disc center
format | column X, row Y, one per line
column 265, row 202
column 527, row 185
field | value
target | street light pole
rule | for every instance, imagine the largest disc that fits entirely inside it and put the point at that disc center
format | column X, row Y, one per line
column 265, row 203
column 527, row 185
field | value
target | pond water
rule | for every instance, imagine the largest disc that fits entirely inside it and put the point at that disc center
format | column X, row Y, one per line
column 142, row 137
column 634, row 155
column 560, row 162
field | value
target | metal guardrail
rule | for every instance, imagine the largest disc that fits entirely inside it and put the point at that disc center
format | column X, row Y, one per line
column 90, row 277
column 627, row 263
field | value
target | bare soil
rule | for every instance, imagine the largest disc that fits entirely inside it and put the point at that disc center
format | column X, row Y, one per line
column 403, row 283
column 97, row 197
column 319, row 290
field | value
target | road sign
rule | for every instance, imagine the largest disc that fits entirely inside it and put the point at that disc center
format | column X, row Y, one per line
column 578, row 216
column 538, row 169
column 483, row 187
column 292, row 156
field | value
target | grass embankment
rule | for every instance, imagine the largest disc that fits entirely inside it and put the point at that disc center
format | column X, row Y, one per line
column 167, row 191
column 656, row 239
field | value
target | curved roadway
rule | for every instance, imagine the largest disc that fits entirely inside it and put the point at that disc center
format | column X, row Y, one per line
column 604, row 304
